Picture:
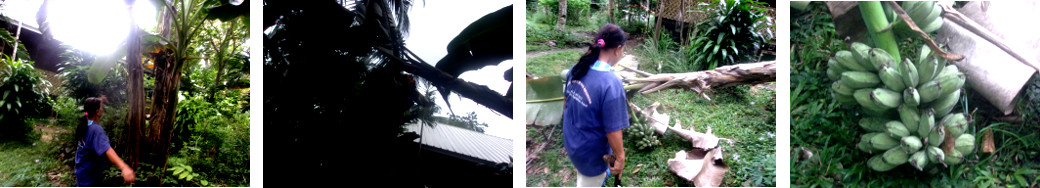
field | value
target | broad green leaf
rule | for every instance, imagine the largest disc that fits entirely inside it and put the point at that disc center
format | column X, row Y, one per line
column 178, row 171
column 545, row 100
column 204, row 182
column 190, row 176
column 189, row 168
column 733, row 28
column 15, row 88
column 103, row 65
column 5, row 94
column 182, row 176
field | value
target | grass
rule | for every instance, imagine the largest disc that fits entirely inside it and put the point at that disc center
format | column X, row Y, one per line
column 553, row 63
column 824, row 132
column 36, row 164
column 742, row 113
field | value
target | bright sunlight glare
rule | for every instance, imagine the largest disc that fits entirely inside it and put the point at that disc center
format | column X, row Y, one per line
column 98, row 27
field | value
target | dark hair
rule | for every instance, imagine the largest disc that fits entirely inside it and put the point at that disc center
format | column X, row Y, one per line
column 90, row 107
column 612, row 37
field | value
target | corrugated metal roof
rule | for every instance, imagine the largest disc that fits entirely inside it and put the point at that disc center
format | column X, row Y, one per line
column 466, row 142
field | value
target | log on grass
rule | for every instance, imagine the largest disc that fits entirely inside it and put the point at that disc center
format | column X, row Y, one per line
column 704, row 81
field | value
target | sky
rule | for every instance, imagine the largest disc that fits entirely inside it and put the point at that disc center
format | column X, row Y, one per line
column 69, row 17
column 433, row 25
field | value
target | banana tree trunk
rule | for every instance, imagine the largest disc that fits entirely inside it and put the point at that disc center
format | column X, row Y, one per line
column 164, row 105
column 135, row 87
column 703, row 81
column 562, row 22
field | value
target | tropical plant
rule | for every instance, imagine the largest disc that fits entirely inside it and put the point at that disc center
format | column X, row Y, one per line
column 23, row 96
column 576, row 9
column 730, row 36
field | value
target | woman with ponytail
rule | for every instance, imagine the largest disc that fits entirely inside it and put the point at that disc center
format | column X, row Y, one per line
column 596, row 110
column 93, row 152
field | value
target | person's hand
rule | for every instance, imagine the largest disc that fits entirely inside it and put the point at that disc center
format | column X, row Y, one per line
column 128, row 175
column 618, row 167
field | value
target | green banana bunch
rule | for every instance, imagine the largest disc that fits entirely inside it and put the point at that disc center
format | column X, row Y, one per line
column 926, row 14
column 908, row 106
column 644, row 136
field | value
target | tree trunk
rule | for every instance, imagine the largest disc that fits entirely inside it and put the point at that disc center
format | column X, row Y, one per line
column 222, row 55
column 562, row 22
column 164, row 104
column 657, row 26
column 610, row 10
column 703, row 81
column 478, row 93
column 135, row 87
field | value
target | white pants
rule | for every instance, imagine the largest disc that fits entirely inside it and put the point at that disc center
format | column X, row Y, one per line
column 591, row 181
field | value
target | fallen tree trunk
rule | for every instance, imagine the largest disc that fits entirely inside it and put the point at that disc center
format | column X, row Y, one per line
column 703, row 81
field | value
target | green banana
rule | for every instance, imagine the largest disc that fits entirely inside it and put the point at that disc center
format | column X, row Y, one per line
column 909, row 73
column 911, row 97
column 932, row 26
column 896, row 129
column 926, row 123
column 847, row 60
column 844, row 90
column 861, row 51
column 929, row 91
column 873, row 124
column 895, row 156
column 927, row 68
column 859, row 79
column 954, row 157
column 883, row 142
column 878, row 164
column 934, row 15
column 864, row 99
column 910, row 117
column 935, row 155
column 833, row 63
column 920, row 11
column 946, row 71
column 879, row 58
column 892, row 78
column 911, row 144
column 919, row 160
column 965, row 143
column 951, row 83
column 832, row 74
column 945, row 104
column 955, row 123
column 923, row 55
column 844, row 99
column 885, row 98
column 936, row 137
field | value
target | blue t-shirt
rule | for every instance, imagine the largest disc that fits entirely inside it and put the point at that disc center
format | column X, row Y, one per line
column 595, row 105
column 90, row 159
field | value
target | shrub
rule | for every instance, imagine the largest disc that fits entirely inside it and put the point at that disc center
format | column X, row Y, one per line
column 731, row 35
column 576, row 9
column 22, row 96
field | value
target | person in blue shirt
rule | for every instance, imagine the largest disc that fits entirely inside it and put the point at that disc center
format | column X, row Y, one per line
column 93, row 152
column 596, row 110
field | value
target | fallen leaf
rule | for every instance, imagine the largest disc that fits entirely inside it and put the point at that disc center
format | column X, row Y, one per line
column 987, row 142
column 637, row 170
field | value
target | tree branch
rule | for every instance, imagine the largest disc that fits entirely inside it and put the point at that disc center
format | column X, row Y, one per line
column 478, row 93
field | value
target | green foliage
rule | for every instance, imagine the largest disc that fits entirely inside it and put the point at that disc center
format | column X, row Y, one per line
column 22, row 96
column 33, row 165
column 665, row 52
column 214, row 138
column 185, row 173
column 8, row 40
column 730, row 35
column 553, row 63
column 576, row 9
column 540, row 34
column 75, row 71
column 469, row 121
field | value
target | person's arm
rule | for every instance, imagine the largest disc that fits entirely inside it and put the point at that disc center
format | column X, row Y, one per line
column 128, row 174
column 618, row 145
